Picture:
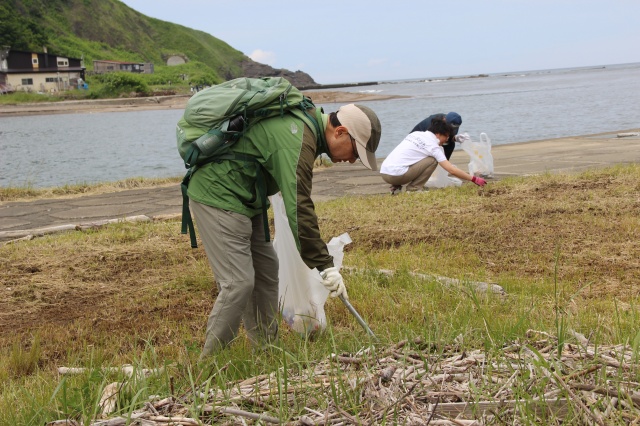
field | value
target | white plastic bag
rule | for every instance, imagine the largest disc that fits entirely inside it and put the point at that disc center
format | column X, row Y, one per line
column 301, row 293
column 440, row 179
column 481, row 163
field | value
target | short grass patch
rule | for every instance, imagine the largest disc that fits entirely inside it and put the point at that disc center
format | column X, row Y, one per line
column 23, row 193
column 564, row 248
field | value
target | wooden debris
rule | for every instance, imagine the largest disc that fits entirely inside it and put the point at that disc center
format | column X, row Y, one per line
column 109, row 398
column 127, row 369
column 100, row 223
column 21, row 235
column 446, row 281
column 412, row 383
column 30, row 234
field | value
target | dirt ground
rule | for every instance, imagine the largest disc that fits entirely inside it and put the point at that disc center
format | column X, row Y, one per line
column 590, row 221
column 158, row 102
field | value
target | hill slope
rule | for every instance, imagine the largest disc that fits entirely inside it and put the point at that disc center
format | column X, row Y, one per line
column 109, row 29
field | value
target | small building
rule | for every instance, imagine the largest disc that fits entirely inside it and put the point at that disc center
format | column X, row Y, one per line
column 176, row 60
column 39, row 72
column 102, row 67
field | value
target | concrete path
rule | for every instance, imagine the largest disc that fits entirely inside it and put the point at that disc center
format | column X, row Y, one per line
column 24, row 219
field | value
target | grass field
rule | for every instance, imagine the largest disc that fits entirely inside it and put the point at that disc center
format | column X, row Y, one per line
column 565, row 249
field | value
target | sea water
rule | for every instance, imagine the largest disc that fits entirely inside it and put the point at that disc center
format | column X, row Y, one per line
column 54, row 150
column 516, row 107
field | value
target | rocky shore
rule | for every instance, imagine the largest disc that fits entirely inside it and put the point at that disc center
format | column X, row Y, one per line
column 158, row 102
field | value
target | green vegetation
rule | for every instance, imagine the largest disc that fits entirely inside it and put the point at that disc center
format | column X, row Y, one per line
column 563, row 247
column 115, row 83
column 19, row 31
column 10, row 193
column 28, row 97
column 73, row 28
column 174, row 80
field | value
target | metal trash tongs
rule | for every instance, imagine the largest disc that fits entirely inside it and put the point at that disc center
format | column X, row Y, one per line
column 358, row 317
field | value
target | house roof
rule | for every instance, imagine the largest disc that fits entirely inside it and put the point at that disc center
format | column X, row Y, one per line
column 20, row 61
column 118, row 62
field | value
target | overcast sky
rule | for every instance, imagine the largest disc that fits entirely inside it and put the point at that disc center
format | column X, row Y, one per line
column 341, row 41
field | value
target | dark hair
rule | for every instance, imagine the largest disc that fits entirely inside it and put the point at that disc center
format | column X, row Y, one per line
column 441, row 127
column 333, row 119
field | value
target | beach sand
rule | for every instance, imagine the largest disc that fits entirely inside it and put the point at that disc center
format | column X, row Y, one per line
column 158, row 102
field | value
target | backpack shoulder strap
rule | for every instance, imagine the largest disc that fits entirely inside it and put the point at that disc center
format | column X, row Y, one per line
column 257, row 105
column 187, row 220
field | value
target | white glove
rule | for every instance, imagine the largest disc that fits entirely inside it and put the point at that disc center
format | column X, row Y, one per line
column 333, row 282
column 464, row 137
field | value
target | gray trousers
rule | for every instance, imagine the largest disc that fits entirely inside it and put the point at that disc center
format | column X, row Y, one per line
column 417, row 175
column 245, row 268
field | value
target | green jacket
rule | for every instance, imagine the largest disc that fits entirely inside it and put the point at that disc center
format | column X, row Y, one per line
column 286, row 148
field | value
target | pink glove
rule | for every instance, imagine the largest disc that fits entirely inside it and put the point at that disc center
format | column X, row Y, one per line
column 478, row 181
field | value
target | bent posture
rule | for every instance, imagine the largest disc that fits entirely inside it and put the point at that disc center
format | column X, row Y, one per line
column 228, row 212
column 452, row 118
column 415, row 159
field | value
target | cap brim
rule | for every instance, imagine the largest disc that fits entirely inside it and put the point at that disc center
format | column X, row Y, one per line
column 368, row 158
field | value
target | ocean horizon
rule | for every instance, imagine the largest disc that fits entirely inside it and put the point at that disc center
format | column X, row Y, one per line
column 479, row 75
column 509, row 107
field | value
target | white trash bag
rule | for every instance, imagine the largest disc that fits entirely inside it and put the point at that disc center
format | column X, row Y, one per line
column 301, row 294
column 481, row 163
column 440, row 179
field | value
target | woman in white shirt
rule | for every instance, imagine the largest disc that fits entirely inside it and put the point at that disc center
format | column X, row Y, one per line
column 415, row 159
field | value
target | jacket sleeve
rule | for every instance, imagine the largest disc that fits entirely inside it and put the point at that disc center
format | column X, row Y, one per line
column 313, row 249
column 290, row 163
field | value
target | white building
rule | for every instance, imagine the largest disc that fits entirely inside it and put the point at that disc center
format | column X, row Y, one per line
column 38, row 72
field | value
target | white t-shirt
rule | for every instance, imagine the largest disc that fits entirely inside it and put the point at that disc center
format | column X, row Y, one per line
column 413, row 148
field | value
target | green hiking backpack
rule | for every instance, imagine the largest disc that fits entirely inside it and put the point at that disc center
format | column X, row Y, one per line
column 215, row 118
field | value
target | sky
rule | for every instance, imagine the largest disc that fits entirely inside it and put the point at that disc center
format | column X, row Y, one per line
column 347, row 41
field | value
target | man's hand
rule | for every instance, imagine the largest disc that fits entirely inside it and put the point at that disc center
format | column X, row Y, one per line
column 478, row 181
column 333, row 282
column 462, row 138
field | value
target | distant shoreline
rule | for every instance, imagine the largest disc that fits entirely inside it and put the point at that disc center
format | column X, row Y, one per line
column 159, row 103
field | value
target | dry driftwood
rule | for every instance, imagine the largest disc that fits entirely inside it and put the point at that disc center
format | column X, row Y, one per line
column 411, row 383
column 101, row 223
column 109, row 398
column 30, row 234
column 20, row 235
column 446, row 281
column 127, row 369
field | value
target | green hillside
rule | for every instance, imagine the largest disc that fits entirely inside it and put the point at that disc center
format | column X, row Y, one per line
column 110, row 30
